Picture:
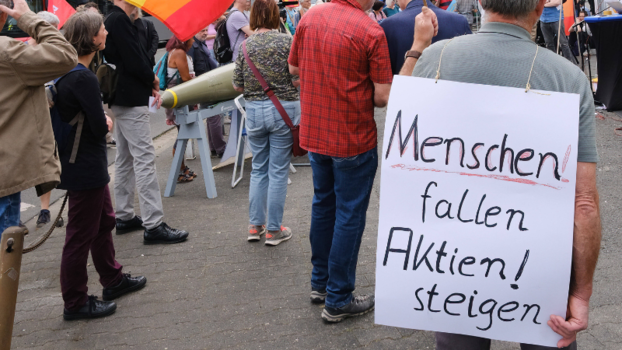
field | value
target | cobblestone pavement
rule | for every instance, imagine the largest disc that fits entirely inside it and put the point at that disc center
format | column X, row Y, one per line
column 217, row 291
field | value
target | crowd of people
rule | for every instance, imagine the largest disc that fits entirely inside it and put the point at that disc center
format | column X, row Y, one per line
column 292, row 82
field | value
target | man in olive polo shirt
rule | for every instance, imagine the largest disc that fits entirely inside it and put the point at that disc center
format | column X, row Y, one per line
column 502, row 54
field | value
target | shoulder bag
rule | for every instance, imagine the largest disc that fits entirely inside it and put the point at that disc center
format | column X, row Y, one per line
column 297, row 151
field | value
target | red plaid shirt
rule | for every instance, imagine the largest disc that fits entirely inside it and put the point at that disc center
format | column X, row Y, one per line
column 341, row 53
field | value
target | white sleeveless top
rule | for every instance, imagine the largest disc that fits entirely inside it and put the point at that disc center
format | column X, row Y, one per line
column 171, row 71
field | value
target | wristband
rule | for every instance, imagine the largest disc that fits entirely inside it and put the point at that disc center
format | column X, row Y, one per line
column 413, row 54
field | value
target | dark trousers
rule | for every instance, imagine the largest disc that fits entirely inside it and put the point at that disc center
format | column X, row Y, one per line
column 91, row 220
column 578, row 42
column 549, row 31
column 215, row 132
column 217, row 141
column 448, row 341
column 342, row 187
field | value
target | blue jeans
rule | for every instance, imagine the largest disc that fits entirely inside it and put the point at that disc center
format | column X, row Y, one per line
column 342, row 187
column 9, row 211
column 271, row 142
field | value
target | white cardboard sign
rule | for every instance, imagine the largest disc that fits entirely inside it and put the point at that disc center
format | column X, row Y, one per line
column 476, row 209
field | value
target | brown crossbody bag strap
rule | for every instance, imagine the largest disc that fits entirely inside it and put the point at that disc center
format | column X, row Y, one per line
column 296, row 149
column 267, row 88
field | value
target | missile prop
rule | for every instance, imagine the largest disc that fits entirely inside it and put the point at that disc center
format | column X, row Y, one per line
column 209, row 88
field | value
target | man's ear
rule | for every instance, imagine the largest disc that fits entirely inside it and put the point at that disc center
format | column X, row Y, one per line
column 540, row 7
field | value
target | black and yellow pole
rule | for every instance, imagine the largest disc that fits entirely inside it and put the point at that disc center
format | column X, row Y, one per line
column 11, row 248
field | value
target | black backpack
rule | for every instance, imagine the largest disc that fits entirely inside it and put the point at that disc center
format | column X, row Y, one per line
column 223, row 50
column 62, row 128
column 108, row 77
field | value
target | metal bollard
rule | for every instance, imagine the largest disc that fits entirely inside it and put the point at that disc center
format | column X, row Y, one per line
column 11, row 247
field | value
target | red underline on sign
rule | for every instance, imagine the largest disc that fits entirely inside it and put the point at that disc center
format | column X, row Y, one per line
column 494, row 177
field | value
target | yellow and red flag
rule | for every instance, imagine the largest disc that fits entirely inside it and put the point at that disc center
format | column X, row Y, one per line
column 184, row 18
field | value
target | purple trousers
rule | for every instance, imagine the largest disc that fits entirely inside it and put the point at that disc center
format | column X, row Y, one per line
column 91, row 220
column 448, row 341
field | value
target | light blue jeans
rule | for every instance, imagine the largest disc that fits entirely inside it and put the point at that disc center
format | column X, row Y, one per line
column 271, row 142
column 9, row 211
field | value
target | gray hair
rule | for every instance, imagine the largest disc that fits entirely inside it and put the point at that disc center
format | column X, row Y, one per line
column 49, row 17
column 81, row 28
column 511, row 8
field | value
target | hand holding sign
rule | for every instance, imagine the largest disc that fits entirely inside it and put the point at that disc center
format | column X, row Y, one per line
column 157, row 99
column 578, row 312
column 476, row 221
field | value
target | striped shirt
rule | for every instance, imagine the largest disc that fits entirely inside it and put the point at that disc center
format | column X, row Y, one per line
column 501, row 54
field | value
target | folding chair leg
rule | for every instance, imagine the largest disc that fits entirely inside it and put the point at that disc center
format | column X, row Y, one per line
column 239, row 157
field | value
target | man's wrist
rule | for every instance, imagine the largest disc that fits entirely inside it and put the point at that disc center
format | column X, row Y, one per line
column 412, row 54
column 28, row 22
column 419, row 46
column 583, row 292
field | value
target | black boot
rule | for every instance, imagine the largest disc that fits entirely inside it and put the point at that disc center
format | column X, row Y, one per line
column 125, row 226
column 92, row 309
column 164, row 234
column 44, row 218
column 128, row 284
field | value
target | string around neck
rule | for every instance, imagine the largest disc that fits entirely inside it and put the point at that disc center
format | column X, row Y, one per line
column 440, row 59
column 528, row 87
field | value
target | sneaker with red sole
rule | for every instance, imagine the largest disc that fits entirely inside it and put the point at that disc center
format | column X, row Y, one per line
column 255, row 232
column 275, row 238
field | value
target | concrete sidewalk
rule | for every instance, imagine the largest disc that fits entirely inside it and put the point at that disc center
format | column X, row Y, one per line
column 217, row 291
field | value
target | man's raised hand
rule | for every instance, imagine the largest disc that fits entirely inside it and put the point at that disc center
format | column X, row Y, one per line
column 20, row 7
column 426, row 27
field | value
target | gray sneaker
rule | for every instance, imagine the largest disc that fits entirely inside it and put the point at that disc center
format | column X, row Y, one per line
column 275, row 238
column 318, row 296
column 359, row 305
column 255, row 232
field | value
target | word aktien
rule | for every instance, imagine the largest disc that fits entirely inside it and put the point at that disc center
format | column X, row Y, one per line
column 455, row 267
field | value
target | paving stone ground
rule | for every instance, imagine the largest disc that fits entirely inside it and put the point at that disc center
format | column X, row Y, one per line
column 217, row 291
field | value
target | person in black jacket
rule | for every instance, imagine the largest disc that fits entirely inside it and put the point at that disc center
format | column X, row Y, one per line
column 149, row 38
column 203, row 63
column 135, row 160
column 91, row 218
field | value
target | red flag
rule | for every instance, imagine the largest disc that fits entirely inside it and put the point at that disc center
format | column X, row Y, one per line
column 61, row 9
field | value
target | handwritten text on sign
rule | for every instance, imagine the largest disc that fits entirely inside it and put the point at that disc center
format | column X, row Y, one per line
column 476, row 209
